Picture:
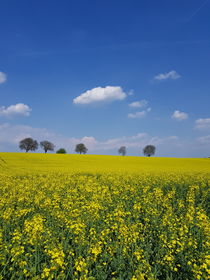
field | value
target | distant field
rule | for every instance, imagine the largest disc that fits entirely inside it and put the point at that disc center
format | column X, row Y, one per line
column 18, row 163
column 88, row 217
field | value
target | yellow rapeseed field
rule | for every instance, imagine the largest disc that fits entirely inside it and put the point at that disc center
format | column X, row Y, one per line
column 103, row 217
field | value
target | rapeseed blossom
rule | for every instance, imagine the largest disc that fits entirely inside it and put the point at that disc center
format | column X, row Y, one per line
column 105, row 225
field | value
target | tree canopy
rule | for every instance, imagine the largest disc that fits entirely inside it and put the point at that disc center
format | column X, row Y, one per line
column 149, row 150
column 47, row 146
column 80, row 148
column 28, row 144
column 122, row 150
column 61, row 151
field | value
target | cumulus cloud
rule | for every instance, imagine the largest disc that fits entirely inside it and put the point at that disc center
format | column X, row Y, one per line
column 140, row 114
column 19, row 109
column 173, row 75
column 138, row 104
column 179, row 116
column 202, row 124
column 100, row 94
column 3, row 77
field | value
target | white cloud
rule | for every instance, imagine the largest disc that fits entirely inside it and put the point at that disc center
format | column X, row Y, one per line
column 179, row 116
column 3, row 77
column 89, row 141
column 173, row 75
column 140, row 114
column 137, row 115
column 12, row 134
column 100, row 94
column 133, row 143
column 138, row 104
column 131, row 92
column 204, row 140
column 203, row 124
column 19, row 109
column 172, row 146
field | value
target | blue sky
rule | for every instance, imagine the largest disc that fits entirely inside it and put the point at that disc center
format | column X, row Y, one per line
column 106, row 73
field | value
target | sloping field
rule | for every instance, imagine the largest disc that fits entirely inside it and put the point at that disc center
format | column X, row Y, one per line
column 103, row 217
column 19, row 163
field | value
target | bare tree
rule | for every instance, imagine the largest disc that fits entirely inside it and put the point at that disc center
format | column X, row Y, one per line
column 122, row 150
column 80, row 148
column 47, row 146
column 28, row 144
column 149, row 150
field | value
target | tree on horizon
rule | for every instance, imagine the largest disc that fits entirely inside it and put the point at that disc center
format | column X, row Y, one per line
column 149, row 150
column 61, row 151
column 80, row 148
column 28, row 144
column 47, row 146
column 122, row 150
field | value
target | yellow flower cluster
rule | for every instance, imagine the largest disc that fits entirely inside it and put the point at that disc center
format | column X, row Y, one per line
column 105, row 225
